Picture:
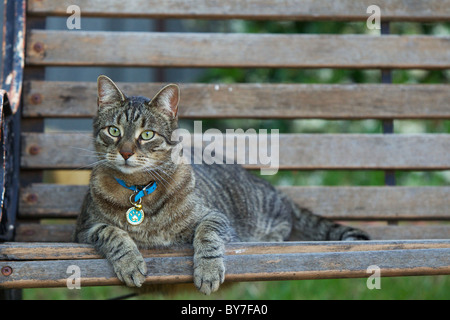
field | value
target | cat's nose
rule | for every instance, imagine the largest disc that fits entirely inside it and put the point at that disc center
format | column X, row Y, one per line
column 126, row 154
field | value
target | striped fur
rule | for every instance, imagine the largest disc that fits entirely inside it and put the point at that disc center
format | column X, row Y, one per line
column 203, row 205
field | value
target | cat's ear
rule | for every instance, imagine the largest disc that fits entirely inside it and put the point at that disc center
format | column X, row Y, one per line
column 108, row 94
column 167, row 99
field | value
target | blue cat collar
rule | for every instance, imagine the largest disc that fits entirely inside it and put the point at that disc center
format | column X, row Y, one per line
column 140, row 192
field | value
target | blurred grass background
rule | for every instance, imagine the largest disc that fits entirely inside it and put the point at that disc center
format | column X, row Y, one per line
column 437, row 287
column 408, row 288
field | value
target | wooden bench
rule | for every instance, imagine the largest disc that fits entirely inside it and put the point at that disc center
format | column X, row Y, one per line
column 37, row 251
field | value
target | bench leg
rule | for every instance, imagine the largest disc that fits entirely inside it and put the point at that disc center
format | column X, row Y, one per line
column 10, row 294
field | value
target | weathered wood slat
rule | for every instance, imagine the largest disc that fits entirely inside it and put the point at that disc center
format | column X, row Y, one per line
column 59, row 48
column 16, row 251
column 364, row 101
column 424, row 231
column 51, row 200
column 340, row 203
column 240, row 267
column 36, row 232
column 392, row 10
column 305, row 151
column 33, row 232
column 374, row 203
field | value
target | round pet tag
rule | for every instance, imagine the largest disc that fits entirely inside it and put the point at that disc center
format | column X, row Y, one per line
column 135, row 216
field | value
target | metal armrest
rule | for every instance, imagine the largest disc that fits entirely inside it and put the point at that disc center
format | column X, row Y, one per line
column 13, row 59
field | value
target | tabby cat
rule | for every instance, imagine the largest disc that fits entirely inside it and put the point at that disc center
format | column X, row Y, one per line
column 139, row 197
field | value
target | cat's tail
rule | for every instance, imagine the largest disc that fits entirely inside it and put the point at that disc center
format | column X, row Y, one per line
column 309, row 226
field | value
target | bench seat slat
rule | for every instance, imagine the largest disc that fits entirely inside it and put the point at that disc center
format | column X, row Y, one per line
column 341, row 203
column 267, row 101
column 300, row 151
column 23, row 251
column 409, row 10
column 241, row 267
column 66, row 48
column 33, row 232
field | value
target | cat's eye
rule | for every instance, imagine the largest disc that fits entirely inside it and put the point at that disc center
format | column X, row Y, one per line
column 113, row 131
column 147, row 135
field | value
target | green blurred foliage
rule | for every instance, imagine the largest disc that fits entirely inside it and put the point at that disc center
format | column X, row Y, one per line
column 403, row 288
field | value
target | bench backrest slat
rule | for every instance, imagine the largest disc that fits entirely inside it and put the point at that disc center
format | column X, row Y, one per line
column 344, row 203
column 265, row 101
column 139, row 49
column 349, row 10
column 306, row 151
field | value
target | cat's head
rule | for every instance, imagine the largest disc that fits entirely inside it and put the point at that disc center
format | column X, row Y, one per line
column 132, row 134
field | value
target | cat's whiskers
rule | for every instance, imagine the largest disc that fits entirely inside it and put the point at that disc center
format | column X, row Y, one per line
column 154, row 170
column 168, row 176
column 158, row 177
column 92, row 152
column 100, row 157
column 168, row 184
column 154, row 178
column 143, row 162
column 91, row 165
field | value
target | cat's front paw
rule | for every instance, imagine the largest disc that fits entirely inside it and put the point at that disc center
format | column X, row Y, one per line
column 131, row 269
column 209, row 274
